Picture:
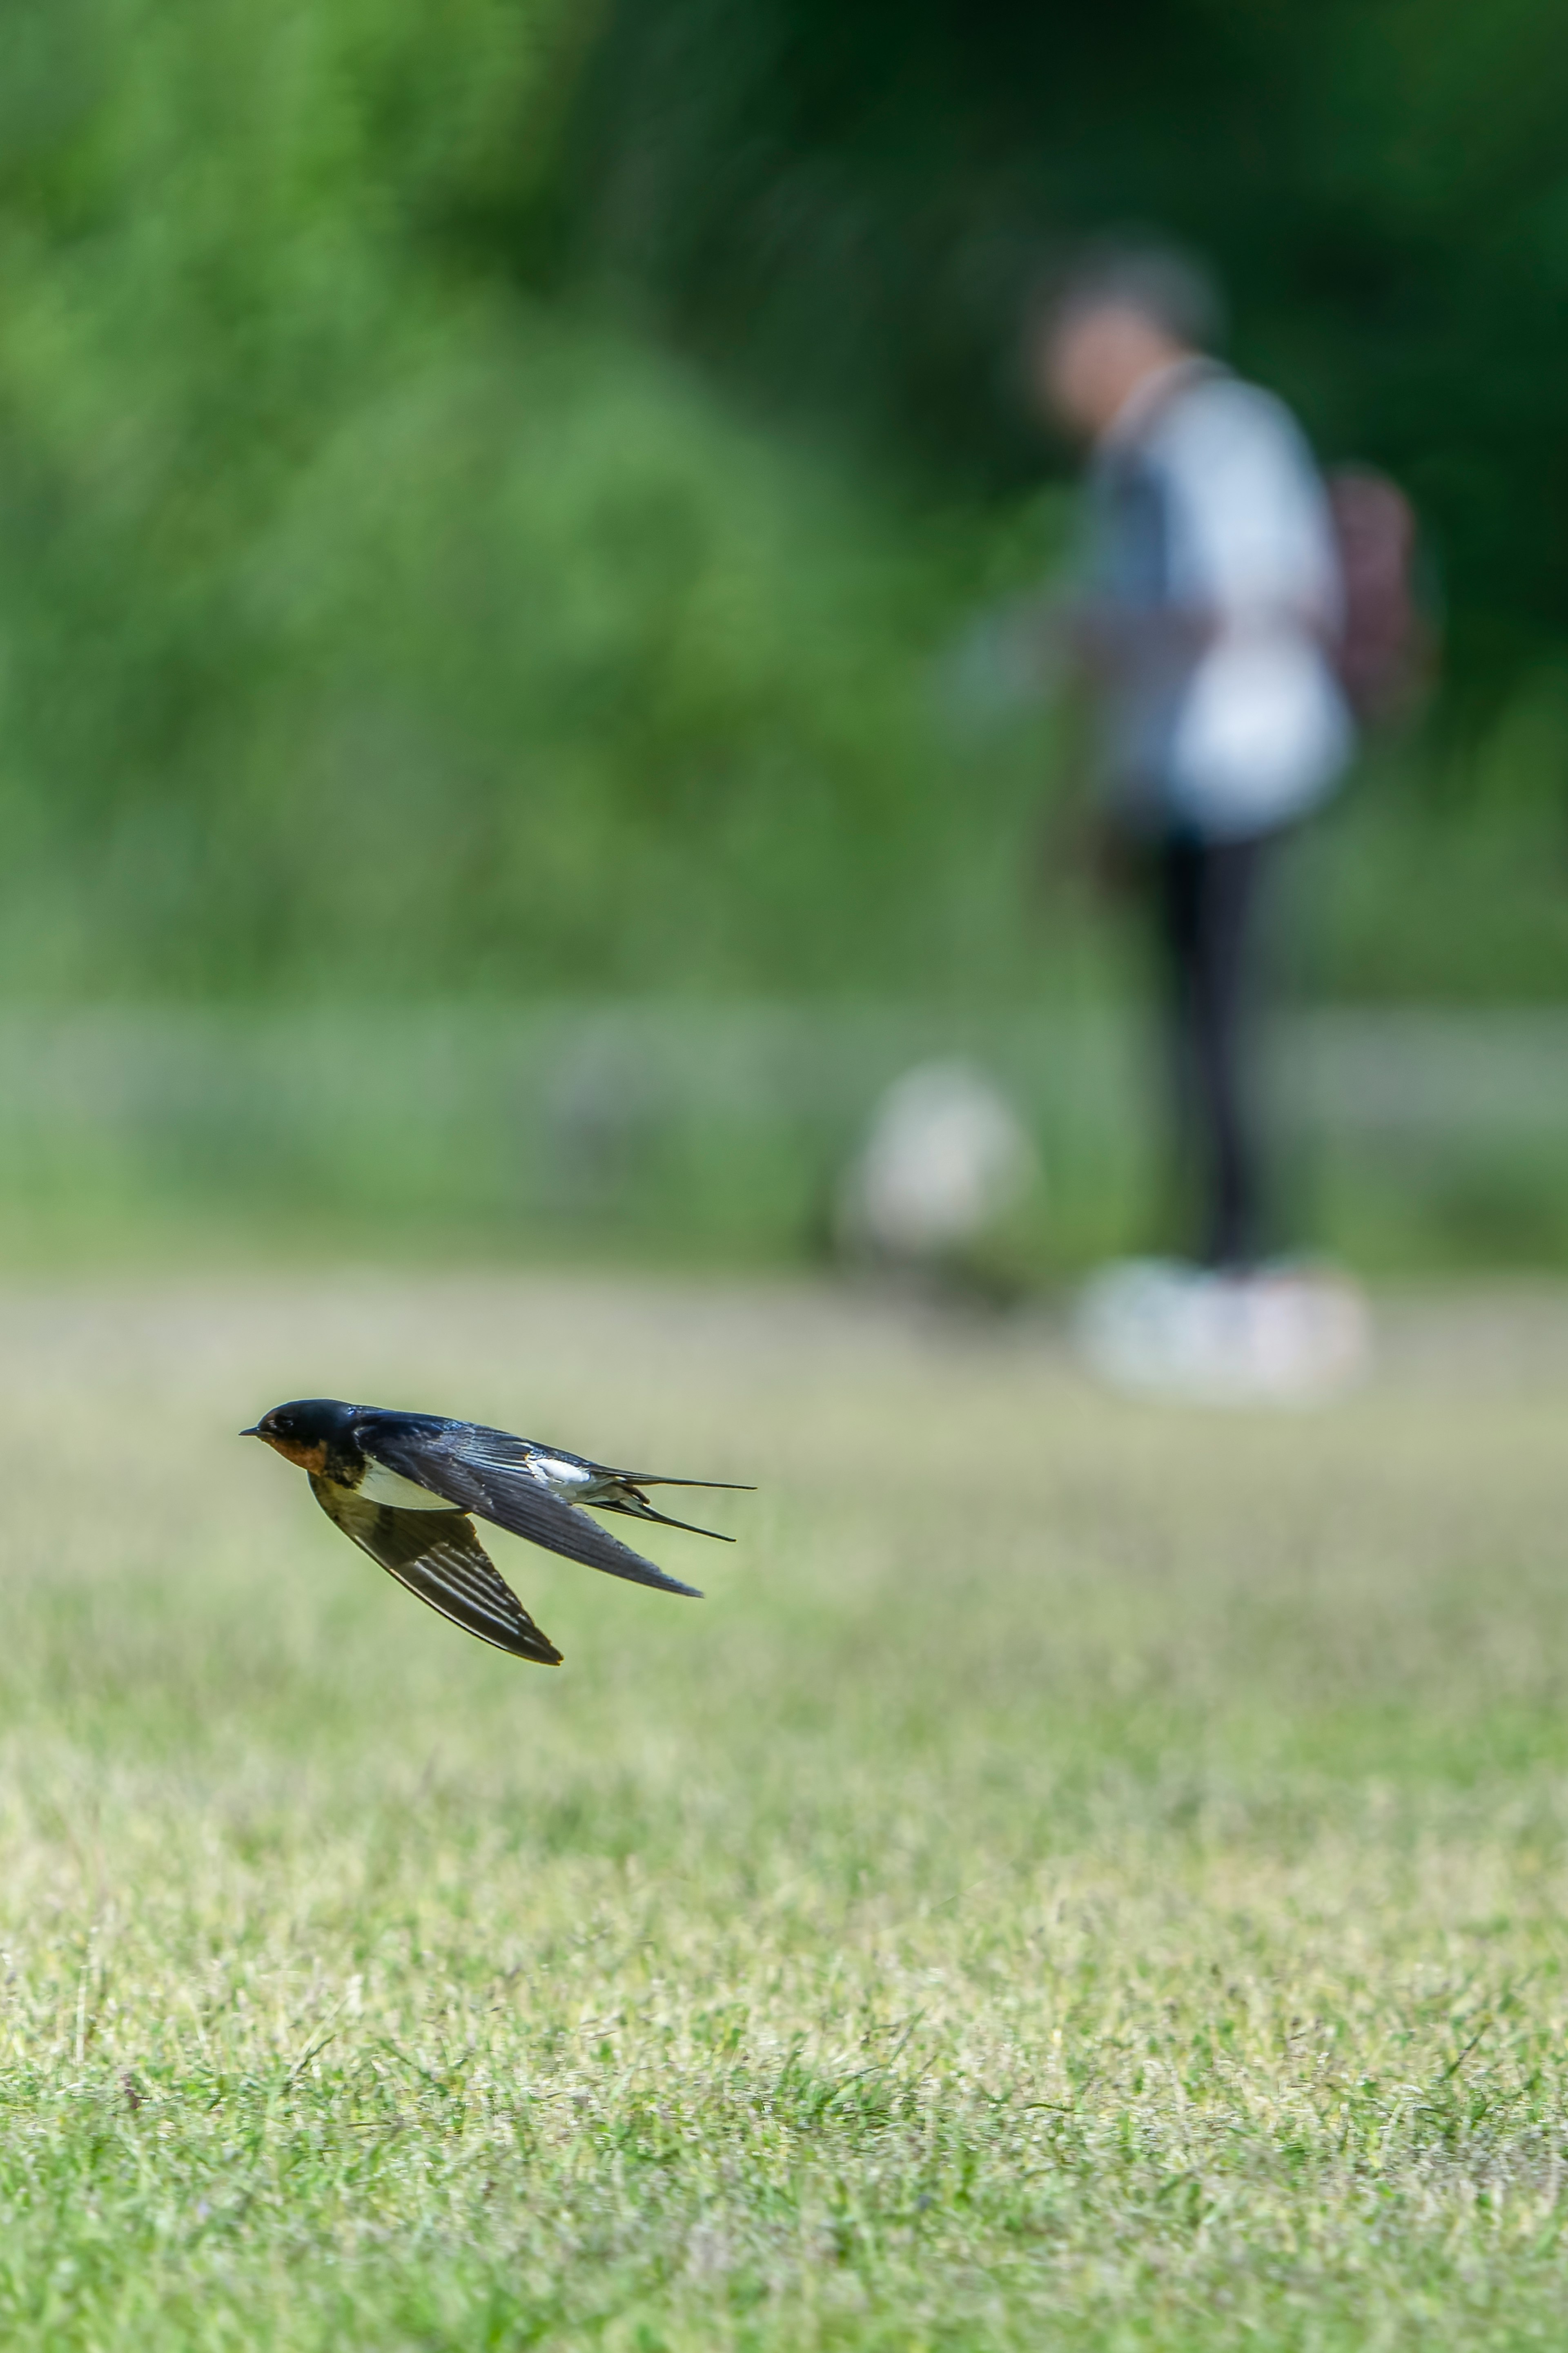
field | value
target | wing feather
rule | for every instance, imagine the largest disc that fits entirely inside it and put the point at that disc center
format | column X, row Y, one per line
column 486, row 1472
column 437, row 1555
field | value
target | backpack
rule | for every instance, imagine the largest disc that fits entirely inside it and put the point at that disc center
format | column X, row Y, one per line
column 1384, row 655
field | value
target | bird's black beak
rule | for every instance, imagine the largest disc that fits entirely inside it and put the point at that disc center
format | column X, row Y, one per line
column 254, row 1432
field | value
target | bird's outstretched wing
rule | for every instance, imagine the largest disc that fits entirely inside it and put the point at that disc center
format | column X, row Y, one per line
column 486, row 1472
column 437, row 1555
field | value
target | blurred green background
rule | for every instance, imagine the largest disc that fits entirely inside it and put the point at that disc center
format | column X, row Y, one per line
column 486, row 495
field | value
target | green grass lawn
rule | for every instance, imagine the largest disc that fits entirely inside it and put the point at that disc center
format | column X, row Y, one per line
column 1087, row 1876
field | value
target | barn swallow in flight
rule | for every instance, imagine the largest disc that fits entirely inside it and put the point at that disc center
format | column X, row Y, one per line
column 403, row 1486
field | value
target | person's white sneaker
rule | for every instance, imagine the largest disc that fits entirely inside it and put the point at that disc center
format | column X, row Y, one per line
column 1280, row 1335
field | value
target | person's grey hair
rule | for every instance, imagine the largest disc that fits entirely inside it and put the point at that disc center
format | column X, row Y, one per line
column 1168, row 286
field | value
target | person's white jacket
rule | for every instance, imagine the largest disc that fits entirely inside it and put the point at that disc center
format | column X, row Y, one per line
column 1216, row 571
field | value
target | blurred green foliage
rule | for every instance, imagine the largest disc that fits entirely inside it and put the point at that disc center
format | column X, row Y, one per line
column 1412, row 1138
column 842, row 204
column 366, row 620
column 484, row 494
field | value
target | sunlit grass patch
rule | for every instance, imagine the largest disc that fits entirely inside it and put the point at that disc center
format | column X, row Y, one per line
column 1083, row 1877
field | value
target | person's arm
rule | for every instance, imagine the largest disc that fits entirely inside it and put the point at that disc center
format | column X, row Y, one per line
column 1106, row 641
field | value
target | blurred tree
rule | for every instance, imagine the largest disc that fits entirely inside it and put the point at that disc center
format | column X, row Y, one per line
column 362, row 622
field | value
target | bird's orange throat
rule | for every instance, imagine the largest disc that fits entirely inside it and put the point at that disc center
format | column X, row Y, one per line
column 309, row 1458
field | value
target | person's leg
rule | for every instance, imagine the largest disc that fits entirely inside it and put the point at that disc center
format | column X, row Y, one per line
column 1225, row 986
column 1176, row 892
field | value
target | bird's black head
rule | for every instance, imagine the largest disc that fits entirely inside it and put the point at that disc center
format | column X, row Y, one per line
column 304, row 1429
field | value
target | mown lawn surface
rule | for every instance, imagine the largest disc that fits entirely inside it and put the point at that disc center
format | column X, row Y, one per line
column 1086, row 1877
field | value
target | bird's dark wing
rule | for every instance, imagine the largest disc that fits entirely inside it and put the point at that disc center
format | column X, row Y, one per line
column 437, row 1555
column 486, row 1472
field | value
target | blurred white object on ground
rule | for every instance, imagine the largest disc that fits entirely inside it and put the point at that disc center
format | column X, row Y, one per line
column 1280, row 1335
column 945, row 1157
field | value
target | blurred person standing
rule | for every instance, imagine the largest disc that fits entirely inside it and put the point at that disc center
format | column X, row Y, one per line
column 1207, row 628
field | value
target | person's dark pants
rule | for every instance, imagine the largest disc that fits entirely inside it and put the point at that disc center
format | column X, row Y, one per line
column 1207, row 897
